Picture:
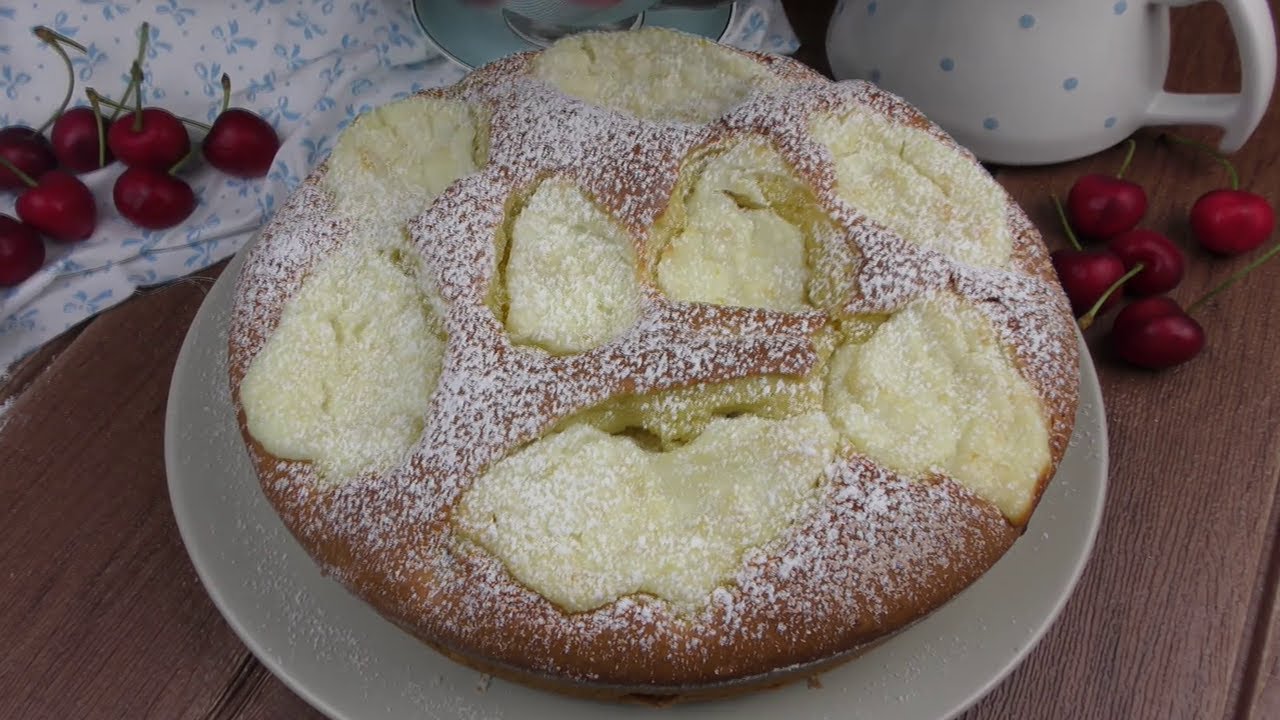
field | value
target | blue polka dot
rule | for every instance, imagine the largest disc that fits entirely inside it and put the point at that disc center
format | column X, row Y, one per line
column 1120, row 7
column 947, row 64
column 871, row 8
column 875, row 75
column 1027, row 21
column 991, row 123
column 1110, row 122
column 1070, row 84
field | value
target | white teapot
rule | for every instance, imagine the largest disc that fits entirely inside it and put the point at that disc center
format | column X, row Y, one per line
column 1042, row 81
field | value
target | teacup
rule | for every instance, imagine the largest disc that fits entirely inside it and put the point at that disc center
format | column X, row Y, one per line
column 1042, row 81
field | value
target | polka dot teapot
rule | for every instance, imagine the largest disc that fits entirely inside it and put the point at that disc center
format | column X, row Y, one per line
column 1042, row 81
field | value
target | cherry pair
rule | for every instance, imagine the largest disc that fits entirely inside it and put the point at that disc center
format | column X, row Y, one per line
column 1157, row 333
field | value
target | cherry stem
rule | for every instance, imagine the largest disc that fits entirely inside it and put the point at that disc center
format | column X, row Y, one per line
column 144, row 34
column 1235, row 278
column 226, row 92
column 1128, row 158
column 97, row 119
column 1066, row 224
column 1087, row 319
column 195, row 123
column 55, row 40
column 1231, row 168
column 116, row 104
column 136, row 77
column 128, row 93
column 25, row 178
column 50, row 35
column 181, row 161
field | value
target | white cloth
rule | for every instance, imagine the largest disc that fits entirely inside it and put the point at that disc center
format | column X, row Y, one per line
column 308, row 66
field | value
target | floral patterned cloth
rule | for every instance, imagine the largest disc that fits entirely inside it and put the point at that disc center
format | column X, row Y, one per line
column 308, row 66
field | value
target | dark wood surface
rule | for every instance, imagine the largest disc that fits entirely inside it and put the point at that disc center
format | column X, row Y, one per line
column 1176, row 616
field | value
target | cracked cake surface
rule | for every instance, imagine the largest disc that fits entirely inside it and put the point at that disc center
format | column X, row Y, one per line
column 605, row 383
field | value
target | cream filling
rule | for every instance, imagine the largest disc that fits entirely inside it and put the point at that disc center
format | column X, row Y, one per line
column 571, row 277
column 734, row 248
column 345, row 378
column 930, row 194
column 653, row 74
column 583, row 517
column 933, row 391
column 395, row 160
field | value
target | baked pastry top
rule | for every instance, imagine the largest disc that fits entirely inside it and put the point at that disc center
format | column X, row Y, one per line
column 642, row 365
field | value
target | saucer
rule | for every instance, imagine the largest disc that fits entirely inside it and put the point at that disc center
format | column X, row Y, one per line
column 473, row 36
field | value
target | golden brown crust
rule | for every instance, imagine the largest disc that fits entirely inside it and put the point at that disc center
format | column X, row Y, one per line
column 874, row 552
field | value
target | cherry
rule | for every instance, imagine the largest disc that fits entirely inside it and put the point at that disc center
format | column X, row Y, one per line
column 21, row 251
column 153, row 199
column 1232, row 222
column 75, row 135
column 1162, row 261
column 1085, row 275
column 27, row 150
column 1228, row 222
column 1155, row 333
column 59, row 205
column 240, row 143
column 79, row 140
column 154, row 138
column 1103, row 206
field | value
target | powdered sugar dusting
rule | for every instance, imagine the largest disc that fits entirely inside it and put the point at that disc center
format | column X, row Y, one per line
column 870, row 552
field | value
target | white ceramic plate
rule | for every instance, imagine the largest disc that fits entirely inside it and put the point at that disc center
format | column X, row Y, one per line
column 344, row 659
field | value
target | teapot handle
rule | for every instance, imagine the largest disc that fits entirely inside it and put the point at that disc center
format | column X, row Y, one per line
column 1237, row 114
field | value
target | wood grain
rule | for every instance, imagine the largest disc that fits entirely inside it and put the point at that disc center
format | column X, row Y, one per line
column 102, row 614
column 1176, row 616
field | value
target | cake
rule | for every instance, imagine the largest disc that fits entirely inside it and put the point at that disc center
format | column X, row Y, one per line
column 645, row 368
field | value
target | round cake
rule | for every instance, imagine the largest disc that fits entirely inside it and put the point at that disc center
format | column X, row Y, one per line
column 641, row 367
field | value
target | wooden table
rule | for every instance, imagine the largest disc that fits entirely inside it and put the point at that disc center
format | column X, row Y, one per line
column 1176, row 616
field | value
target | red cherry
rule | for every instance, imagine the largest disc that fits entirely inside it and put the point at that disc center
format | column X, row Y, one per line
column 75, row 140
column 158, row 143
column 1161, row 260
column 1156, row 333
column 1231, row 222
column 29, row 151
column 241, row 143
column 1085, row 275
column 1228, row 222
column 60, row 207
column 1101, row 206
column 153, row 199
column 21, row 251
